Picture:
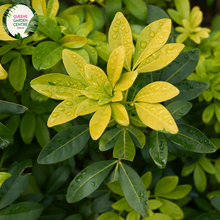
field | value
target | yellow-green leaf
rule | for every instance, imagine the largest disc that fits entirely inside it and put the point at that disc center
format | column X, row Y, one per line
column 151, row 39
column 147, row 179
column 73, row 41
column 122, row 205
column 3, row 35
column 65, row 111
column 75, row 66
column 157, row 92
column 87, row 107
column 3, row 73
column 158, row 216
column 160, row 58
column 39, row 6
column 52, row 8
column 96, row 76
column 115, row 65
column 117, row 97
column 157, row 117
column 154, row 204
column 120, row 35
column 95, row 93
column 99, row 121
column 126, row 81
column 57, row 86
column 119, row 113
column 133, row 215
column 4, row 176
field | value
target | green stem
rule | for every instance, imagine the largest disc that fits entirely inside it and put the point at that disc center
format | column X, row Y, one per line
column 126, row 96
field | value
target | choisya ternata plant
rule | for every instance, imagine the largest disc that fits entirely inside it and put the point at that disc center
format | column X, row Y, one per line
column 88, row 89
column 189, row 21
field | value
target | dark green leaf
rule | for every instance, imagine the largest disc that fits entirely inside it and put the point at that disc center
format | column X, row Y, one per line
column 190, row 89
column 17, row 73
column 11, row 108
column 138, row 8
column 158, row 148
column 58, row 178
column 9, row 56
column 179, row 108
column 13, row 123
column 65, row 144
column 52, row 214
column 108, row 140
column 6, row 137
column 181, row 67
column 27, row 127
column 12, row 188
column 42, row 132
column 46, row 55
column 134, row 189
column 21, row 211
column 74, row 217
column 137, row 136
column 88, row 180
column 7, row 47
column 124, row 147
column 102, row 204
column 210, row 216
column 155, row 13
column 192, row 139
column 208, row 113
column 49, row 27
column 215, row 201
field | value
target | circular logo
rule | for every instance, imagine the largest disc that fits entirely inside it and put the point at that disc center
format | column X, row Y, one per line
column 20, row 21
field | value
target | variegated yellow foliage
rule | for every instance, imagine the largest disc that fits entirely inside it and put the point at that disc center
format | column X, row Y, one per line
column 3, row 73
column 88, row 89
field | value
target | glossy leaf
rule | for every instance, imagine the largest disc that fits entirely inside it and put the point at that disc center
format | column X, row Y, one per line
column 187, row 170
column 99, row 121
column 88, row 180
column 109, row 138
column 73, row 41
column 124, row 147
column 147, row 179
column 6, row 137
column 158, row 216
column 17, row 73
column 171, row 209
column 217, row 169
column 9, row 56
column 103, row 50
column 57, row 86
column 137, row 8
column 158, row 148
column 119, row 113
column 87, row 107
column 58, row 178
column 39, row 6
column 12, row 188
column 42, row 132
column 166, row 185
column 49, row 27
column 215, row 201
column 133, row 215
column 112, row 7
column 93, row 55
column 20, row 211
column 65, row 111
column 115, row 187
column 119, row 29
column 137, row 136
column 151, row 39
column 4, row 176
column 27, row 127
column 137, row 122
column 178, row 193
column 155, row 13
column 192, row 139
column 160, row 58
column 126, row 81
column 200, row 179
column 190, row 89
column 154, row 204
column 148, row 113
column 52, row 8
column 94, row 93
column 74, row 64
column 3, row 73
column 179, row 108
column 75, row 217
column 64, row 145
column 115, row 65
column 133, row 189
column 157, row 92
column 46, row 55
